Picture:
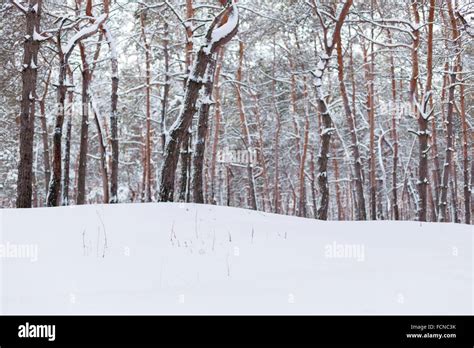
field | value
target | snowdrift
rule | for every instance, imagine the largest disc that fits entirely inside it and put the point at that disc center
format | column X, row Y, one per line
column 198, row 259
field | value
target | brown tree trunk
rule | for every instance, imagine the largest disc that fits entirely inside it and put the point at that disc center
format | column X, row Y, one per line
column 55, row 184
column 103, row 159
column 84, row 140
column 359, row 184
column 302, row 189
column 114, row 168
column 465, row 141
column 148, row 150
column 27, row 107
column 45, row 133
column 217, row 128
column 245, row 131
column 422, row 110
column 327, row 125
column 276, row 149
column 261, row 157
column 186, row 149
column 84, row 137
column 394, row 133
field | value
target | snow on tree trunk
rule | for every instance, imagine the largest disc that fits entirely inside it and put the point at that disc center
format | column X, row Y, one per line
column 216, row 37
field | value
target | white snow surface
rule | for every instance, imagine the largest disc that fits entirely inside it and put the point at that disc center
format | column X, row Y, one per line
column 199, row 259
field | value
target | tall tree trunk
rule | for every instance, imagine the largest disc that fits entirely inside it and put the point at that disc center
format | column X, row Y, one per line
column 27, row 107
column 394, row 133
column 84, row 138
column 67, row 146
column 276, row 148
column 103, row 158
column 217, row 128
column 245, row 130
column 186, row 149
column 261, row 157
column 422, row 110
column 327, row 125
column 166, row 88
column 148, row 141
column 465, row 141
column 449, row 123
column 302, row 189
column 45, row 133
column 53, row 198
column 113, row 110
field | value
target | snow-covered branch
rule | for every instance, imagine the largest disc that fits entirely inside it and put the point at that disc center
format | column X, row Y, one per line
column 84, row 33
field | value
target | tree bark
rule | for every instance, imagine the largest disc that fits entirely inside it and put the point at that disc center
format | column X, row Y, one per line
column 27, row 107
column 53, row 198
column 203, row 124
column 67, row 146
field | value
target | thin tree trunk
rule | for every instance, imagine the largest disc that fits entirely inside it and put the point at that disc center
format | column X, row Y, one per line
column 361, row 212
column 103, row 159
column 394, row 133
column 67, row 146
column 302, row 189
column 449, row 124
column 84, row 137
column 45, row 133
column 55, row 184
column 114, row 168
column 465, row 141
column 245, row 131
column 166, row 88
column 217, row 128
column 148, row 141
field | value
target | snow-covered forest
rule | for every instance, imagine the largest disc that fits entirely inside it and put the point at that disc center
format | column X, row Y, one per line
column 327, row 109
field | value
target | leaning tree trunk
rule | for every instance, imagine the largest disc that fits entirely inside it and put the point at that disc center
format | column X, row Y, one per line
column 203, row 123
column 193, row 86
column 327, row 125
column 27, row 114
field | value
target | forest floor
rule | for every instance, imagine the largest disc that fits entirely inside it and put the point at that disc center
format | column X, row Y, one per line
column 199, row 259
